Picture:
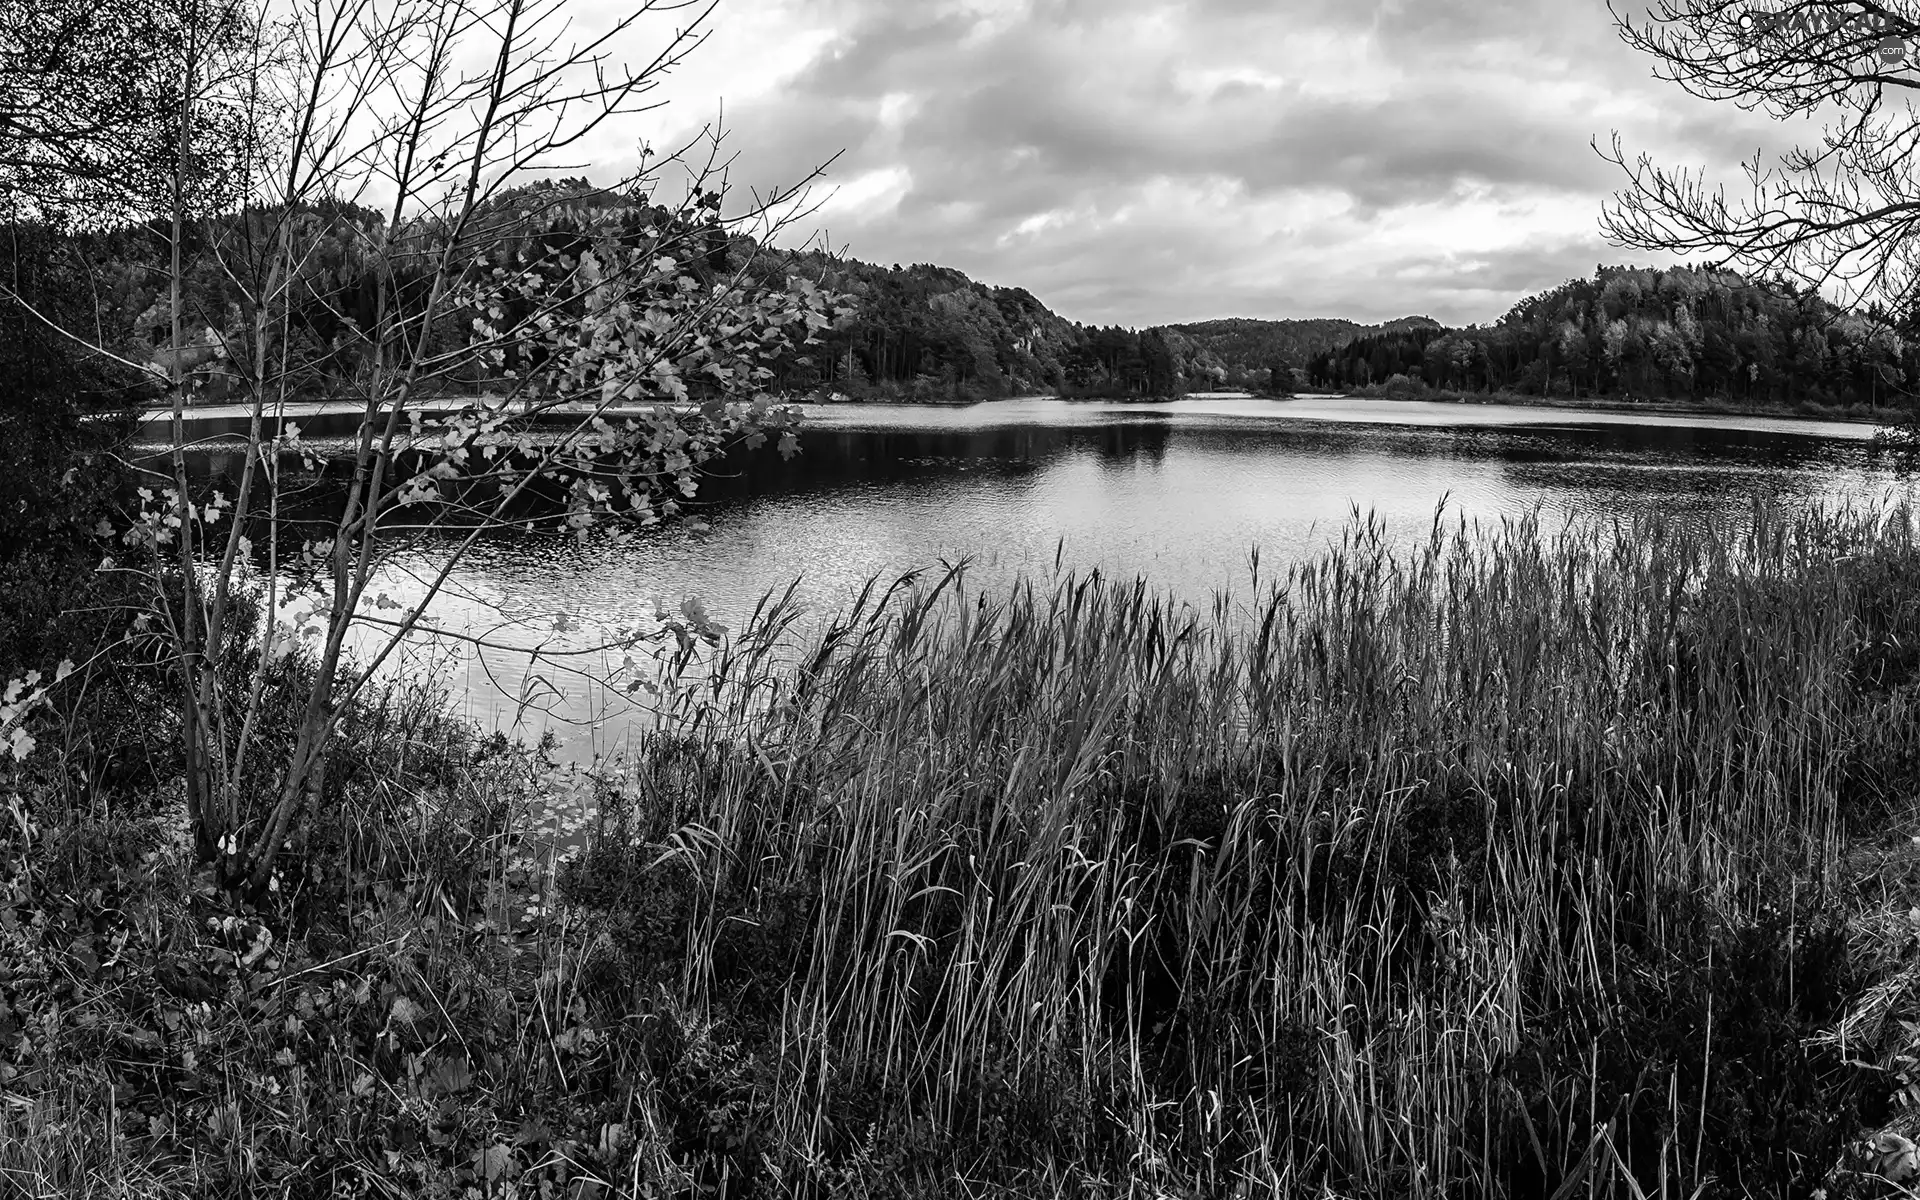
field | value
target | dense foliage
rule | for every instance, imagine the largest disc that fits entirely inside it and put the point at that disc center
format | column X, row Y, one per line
column 1682, row 333
column 63, row 418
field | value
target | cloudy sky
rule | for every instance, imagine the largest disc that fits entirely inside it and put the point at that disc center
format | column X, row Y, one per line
column 1145, row 161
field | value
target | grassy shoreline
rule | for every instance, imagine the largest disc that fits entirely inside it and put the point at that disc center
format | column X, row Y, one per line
column 1512, row 863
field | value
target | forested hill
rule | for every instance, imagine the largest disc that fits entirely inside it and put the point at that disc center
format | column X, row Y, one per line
column 918, row 333
column 1678, row 334
column 1246, row 344
column 930, row 333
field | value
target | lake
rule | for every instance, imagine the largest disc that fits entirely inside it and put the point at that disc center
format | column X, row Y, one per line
column 1178, row 492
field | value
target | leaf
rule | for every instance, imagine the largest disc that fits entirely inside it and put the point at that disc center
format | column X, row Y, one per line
column 491, row 1163
column 452, row 1076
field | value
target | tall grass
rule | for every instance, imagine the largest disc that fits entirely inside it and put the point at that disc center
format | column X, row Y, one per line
column 1523, row 862
column 1504, row 866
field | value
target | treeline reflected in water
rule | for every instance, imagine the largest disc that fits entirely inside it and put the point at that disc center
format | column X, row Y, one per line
column 1177, row 497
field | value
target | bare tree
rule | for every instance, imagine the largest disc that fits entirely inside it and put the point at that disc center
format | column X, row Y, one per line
column 511, row 370
column 1840, row 214
column 90, row 105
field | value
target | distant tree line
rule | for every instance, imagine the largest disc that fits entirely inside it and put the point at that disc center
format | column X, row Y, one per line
column 926, row 332
column 930, row 334
column 1681, row 333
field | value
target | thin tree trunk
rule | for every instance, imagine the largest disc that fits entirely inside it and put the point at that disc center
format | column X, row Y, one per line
column 193, row 715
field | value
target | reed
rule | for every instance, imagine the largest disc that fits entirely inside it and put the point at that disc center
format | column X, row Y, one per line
column 1511, row 864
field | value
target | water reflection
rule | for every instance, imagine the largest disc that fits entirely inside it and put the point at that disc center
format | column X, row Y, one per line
column 1177, row 492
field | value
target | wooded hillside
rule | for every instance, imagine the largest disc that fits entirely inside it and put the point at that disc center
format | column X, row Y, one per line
column 929, row 333
column 1681, row 333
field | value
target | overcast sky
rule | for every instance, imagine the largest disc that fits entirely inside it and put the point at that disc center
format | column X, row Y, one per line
column 1143, row 162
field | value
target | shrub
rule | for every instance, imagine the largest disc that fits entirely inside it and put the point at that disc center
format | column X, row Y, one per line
column 1398, row 386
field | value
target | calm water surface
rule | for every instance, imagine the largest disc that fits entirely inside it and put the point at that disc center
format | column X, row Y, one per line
column 1177, row 492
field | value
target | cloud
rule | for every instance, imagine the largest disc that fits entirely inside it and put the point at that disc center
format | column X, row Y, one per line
column 1141, row 161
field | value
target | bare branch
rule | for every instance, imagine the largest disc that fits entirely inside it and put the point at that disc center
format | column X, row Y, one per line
column 1838, row 215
